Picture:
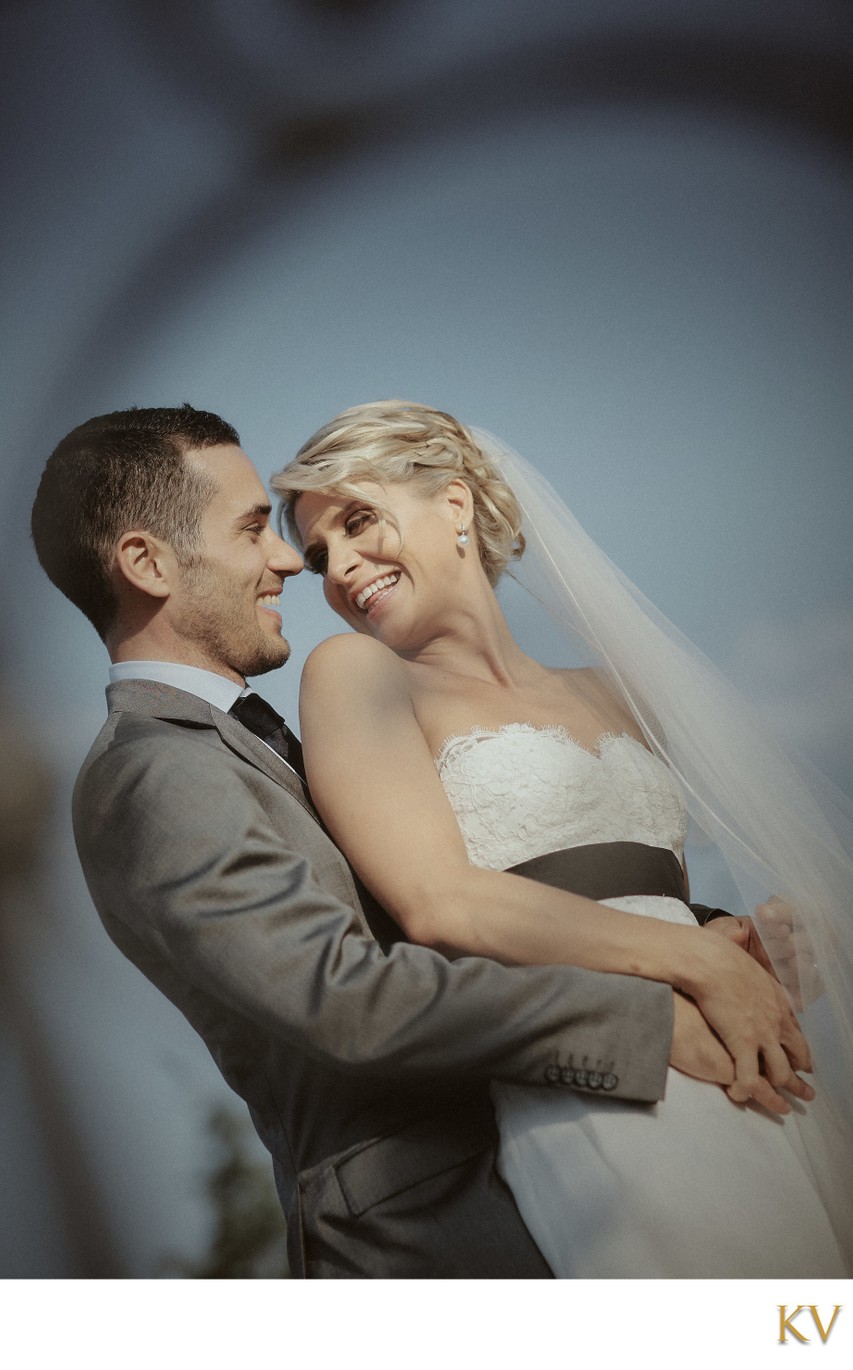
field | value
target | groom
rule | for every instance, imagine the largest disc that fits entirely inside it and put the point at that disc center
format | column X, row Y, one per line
column 365, row 1061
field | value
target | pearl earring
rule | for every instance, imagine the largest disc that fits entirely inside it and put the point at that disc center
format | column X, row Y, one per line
column 462, row 536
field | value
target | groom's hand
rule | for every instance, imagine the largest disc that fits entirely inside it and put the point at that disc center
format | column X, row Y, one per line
column 695, row 1049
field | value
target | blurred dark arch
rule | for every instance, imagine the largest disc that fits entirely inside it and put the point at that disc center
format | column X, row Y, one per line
column 293, row 135
column 794, row 78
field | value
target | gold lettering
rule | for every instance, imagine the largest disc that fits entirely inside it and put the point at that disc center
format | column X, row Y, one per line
column 824, row 1336
column 786, row 1324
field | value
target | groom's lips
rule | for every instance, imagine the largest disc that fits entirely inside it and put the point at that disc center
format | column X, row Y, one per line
column 272, row 598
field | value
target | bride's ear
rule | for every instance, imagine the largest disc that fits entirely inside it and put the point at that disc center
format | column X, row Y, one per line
column 459, row 501
column 145, row 563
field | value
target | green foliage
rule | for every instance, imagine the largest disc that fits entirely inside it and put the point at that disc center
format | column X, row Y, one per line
column 250, row 1235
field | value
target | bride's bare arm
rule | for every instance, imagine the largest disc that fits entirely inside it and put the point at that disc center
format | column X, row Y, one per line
column 375, row 783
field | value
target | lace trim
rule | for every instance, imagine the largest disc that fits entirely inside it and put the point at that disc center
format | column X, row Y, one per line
column 552, row 729
column 536, row 789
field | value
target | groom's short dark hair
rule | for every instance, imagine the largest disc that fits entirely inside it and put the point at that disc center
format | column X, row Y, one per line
column 114, row 473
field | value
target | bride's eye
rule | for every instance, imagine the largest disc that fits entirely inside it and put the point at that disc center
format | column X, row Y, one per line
column 359, row 520
column 316, row 563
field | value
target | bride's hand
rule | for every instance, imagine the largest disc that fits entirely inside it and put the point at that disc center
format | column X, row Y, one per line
column 744, row 934
column 781, row 947
column 786, row 940
column 749, row 1011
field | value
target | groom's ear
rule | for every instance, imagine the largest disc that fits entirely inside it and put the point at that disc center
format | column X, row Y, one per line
column 459, row 500
column 146, row 563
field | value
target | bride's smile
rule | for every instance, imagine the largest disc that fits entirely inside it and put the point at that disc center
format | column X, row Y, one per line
column 390, row 558
column 368, row 598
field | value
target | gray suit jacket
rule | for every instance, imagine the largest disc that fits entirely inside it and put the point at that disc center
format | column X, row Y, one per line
column 365, row 1062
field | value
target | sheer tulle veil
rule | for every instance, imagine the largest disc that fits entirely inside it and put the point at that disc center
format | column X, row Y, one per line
column 781, row 828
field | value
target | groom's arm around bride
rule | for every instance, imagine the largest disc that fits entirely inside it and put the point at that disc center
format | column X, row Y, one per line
column 365, row 1063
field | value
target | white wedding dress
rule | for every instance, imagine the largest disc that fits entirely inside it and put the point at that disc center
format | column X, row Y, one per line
column 691, row 1187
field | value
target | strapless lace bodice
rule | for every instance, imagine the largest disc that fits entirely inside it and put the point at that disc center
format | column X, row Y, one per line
column 520, row 791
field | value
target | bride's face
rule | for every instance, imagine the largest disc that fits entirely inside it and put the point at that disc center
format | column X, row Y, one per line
column 394, row 580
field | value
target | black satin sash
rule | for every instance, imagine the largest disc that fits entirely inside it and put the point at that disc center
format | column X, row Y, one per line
column 608, row 870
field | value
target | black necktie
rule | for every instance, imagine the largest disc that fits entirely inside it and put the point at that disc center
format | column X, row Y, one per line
column 262, row 720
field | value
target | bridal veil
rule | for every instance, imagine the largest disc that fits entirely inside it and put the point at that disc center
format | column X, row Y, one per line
column 782, row 829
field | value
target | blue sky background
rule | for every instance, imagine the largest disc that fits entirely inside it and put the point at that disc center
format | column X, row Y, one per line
column 650, row 297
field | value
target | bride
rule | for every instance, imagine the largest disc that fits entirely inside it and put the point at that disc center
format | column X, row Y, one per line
column 503, row 808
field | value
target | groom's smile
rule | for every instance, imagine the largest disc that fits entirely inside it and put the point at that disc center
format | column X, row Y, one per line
column 228, row 599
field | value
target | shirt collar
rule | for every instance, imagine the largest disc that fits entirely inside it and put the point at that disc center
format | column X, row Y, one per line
column 217, row 690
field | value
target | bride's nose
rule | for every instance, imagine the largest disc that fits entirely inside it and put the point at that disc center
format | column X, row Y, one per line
column 342, row 561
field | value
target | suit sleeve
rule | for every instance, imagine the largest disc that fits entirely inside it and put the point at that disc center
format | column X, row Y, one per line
column 703, row 914
column 182, row 853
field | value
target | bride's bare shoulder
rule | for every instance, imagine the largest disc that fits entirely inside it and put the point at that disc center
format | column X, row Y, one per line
column 350, row 662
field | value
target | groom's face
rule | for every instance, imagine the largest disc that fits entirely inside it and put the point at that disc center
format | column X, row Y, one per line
column 226, row 603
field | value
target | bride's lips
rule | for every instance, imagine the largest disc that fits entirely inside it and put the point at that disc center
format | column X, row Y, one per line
column 367, row 600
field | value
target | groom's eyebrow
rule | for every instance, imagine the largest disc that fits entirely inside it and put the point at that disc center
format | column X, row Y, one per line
column 256, row 511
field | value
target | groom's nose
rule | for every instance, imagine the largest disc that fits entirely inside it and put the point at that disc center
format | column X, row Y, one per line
column 284, row 558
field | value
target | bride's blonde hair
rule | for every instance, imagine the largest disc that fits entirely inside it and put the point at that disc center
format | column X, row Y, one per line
column 390, row 442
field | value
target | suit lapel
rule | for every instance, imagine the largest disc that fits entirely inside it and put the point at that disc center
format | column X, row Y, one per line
column 252, row 749
column 154, row 700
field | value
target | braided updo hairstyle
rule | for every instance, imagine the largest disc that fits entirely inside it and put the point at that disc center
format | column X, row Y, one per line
column 390, row 442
